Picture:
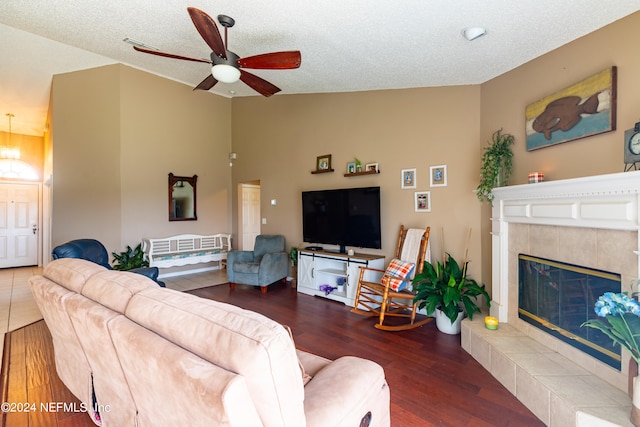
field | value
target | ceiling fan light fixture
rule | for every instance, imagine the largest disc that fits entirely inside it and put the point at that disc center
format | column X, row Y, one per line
column 225, row 73
column 473, row 33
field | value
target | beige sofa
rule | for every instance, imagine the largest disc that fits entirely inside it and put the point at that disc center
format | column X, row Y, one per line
column 136, row 354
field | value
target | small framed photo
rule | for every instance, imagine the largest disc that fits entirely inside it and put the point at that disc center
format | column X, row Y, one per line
column 423, row 201
column 371, row 167
column 438, row 176
column 324, row 163
column 408, row 178
column 351, row 167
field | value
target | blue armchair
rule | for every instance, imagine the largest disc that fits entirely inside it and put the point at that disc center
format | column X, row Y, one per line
column 94, row 251
column 266, row 264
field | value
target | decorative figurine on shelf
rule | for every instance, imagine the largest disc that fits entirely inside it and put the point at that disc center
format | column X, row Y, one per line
column 327, row 289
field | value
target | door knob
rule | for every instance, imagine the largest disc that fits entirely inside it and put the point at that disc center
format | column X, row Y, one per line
column 34, row 227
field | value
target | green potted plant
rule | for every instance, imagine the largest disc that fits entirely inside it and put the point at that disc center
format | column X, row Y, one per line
column 447, row 291
column 497, row 161
column 129, row 259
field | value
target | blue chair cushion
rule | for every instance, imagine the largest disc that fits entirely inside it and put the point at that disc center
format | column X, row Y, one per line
column 247, row 267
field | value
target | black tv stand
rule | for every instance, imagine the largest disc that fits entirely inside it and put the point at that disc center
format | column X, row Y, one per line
column 313, row 248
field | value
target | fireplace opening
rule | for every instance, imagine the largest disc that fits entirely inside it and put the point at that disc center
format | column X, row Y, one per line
column 558, row 297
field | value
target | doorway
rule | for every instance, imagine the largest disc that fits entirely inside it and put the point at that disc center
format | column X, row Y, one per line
column 19, row 224
column 248, row 214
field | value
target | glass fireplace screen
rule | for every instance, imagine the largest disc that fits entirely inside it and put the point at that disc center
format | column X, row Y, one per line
column 558, row 297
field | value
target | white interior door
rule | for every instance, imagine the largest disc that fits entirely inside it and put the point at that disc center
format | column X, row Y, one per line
column 250, row 212
column 18, row 224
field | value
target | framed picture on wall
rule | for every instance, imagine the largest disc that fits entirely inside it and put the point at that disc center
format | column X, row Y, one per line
column 371, row 167
column 584, row 109
column 351, row 167
column 323, row 163
column 423, row 201
column 438, row 176
column 408, row 178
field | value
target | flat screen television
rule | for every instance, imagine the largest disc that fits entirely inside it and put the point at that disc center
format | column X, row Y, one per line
column 343, row 217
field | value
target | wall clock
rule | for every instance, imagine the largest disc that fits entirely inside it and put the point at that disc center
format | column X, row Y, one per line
column 632, row 144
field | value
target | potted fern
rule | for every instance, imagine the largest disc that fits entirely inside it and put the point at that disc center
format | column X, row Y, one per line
column 447, row 291
column 497, row 162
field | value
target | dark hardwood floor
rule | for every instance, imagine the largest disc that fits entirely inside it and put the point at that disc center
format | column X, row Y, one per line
column 433, row 381
column 31, row 387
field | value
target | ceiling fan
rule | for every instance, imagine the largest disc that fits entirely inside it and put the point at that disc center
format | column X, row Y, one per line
column 227, row 67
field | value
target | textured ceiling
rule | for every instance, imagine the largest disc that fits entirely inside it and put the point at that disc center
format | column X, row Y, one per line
column 346, row 46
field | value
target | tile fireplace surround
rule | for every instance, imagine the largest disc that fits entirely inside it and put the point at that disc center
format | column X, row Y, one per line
column 591, row 221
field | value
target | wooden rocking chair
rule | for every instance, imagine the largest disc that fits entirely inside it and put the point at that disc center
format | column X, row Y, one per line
column 393, row 295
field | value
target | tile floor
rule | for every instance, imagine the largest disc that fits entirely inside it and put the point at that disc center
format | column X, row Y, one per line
column 18, row 308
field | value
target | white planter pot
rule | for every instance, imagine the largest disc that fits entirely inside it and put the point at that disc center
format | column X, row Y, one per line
column 444, row 323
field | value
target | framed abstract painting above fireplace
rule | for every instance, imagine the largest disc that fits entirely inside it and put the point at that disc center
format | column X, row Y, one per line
column 584, row 109
column 558, row 297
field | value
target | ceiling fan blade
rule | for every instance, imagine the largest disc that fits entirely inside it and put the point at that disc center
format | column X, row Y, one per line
column 273, row 61
column 258, row 84
column 207, row 83
column 208, row 29
column 170, row 55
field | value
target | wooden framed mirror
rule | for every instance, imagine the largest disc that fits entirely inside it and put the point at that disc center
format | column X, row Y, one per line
column 182, row 198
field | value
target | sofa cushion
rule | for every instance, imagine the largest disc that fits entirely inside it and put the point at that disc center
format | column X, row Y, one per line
column 189, row 390
column 71, row 273
column 240, row 341
column 111, row 388
column 114, row 289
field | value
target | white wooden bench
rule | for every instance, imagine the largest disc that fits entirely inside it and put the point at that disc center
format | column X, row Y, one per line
column 187, row 249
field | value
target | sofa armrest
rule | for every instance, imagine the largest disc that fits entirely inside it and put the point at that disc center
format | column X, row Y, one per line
column 344, row 391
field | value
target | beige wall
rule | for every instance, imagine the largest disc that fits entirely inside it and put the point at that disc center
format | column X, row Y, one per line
column 504, row 99
column 118, row 133
column 116, row 141
column 278, row 140
column 86, row 169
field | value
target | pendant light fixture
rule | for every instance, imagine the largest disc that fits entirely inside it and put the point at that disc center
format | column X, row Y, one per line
column 11, row 167
column 8, row 151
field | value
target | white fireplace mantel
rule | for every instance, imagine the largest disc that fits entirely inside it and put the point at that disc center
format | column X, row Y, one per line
column 603, row 202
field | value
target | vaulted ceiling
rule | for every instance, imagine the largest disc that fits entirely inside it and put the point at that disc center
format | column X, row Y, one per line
column 346, row 46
